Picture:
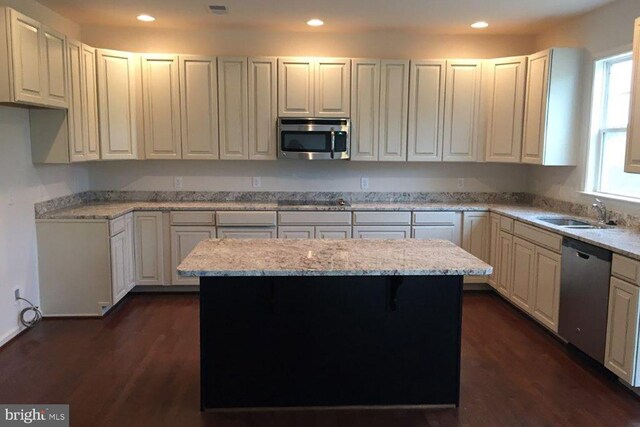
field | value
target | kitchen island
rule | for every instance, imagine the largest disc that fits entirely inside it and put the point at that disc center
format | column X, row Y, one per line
column 330, row 323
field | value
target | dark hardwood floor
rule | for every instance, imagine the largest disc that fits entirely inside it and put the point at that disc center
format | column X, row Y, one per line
column 140, row 367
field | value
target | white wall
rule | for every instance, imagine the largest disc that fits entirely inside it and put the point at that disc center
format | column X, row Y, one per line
column 26, row 184
column 294, row 175
column 601, row 32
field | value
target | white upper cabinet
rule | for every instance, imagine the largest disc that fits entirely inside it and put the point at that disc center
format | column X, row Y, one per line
column 394, row 93
column 90, row 104
column 36, row 57
column 117, row 98
column 365, row 109
column 462, row 110
column 233, row 108
column 296, row 87
column 199, row 107
column 161, row 107
column 426, row 108
column 263, row 108
column 552, row 107
column 505, row 111
column 632, row 163
column 333, row 87
column 77, row 149
column 314, row 87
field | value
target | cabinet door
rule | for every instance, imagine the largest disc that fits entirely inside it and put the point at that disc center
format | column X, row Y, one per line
column 546, row 295
column 247, row 233
column 332, row 87
column 75, row 119
column 462, row 110
column 55, row 72
column 381, row 232
column 296, row 232
column 426, row 110
column 161, row 107
column 632, row 162
column 475, row 234
column 296, row 87
column 130, row 266
column 535, row 108
column 440, row 232
column 522, row 285
column 117, row 104
column 90, row 104
column 27, row 59
column 263, row 108
column 504, row 278
column 233, row 109
column 118, row 267
column 149, row 248
column 199, row 107
column 494, row 241
column 183, row 241
column 505, row 94
column 333, row 232
column 365, row 109
column 394, row 105
column 621, row 351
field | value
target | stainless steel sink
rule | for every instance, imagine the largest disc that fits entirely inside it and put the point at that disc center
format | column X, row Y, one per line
column 569, row 223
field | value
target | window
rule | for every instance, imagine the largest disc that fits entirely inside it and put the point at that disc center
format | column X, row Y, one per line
column 610, row 116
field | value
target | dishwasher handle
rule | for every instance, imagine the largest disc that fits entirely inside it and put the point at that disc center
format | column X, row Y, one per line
column 582, row 255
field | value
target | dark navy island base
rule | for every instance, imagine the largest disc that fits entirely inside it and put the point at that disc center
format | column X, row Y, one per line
column 283, row 342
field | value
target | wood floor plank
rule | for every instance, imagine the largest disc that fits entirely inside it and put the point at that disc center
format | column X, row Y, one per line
column 140, row 366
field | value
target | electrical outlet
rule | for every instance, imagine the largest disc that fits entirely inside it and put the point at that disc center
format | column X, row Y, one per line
column 364, row 183
column 256, row 182
column 177, row 182
column 11, row 197
column 460, row 183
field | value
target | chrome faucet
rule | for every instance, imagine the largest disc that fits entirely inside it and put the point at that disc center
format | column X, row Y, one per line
column 602, row 210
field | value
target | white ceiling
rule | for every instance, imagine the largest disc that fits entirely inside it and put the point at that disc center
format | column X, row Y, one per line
column 442, row 16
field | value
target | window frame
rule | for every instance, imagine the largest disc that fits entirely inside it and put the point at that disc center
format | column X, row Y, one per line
column 599, row 102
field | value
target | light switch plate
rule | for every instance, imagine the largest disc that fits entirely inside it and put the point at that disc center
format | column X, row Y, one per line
column 460, row 183
column 11, row 197
column 256, row 182
column 364, row 183
column 177, row 182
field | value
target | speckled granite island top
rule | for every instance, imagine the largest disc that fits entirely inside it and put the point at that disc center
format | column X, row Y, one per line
column 356, row 257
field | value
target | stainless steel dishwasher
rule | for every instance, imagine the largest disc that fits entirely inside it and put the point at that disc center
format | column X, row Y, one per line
column 584, row 296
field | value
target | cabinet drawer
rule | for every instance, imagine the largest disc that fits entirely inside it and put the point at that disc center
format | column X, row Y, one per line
column 247, row 233
column 435, row 218
column 117, row 226
column 382, row 218
column 314, row 218
column 193, row 218
column 506, row 224
column 248, row 219
column 538, row 236
column 626, row 268
column 384, row 232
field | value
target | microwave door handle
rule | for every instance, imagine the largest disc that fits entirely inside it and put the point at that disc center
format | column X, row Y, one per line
column 333, row 143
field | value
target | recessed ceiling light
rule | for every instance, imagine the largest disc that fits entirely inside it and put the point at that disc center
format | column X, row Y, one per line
column 146, row 18
column 315, row 22
column 479, row 24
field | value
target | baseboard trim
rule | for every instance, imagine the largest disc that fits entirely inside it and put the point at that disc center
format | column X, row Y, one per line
column 169, row 288
column 12, row 336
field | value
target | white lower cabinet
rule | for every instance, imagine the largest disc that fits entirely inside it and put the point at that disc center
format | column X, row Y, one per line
column 546, row 298
column 475, row 239
column 523, row 271
column 149, row 248
column 183, row 241
column 504, row 265
column 335, row 232
column 621, row 352
column 494, row 240
column 381, row 232
column 247, row 232
column 440, row 232
column 118, row 266
column 296, row 232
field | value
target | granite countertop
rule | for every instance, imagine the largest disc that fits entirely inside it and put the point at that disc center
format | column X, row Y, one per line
column 624, row 241
column 317, row 257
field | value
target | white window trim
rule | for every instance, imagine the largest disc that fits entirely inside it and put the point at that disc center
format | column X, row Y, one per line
column 593, row 158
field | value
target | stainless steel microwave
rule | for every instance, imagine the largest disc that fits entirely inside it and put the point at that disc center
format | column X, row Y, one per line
column 314, row 139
